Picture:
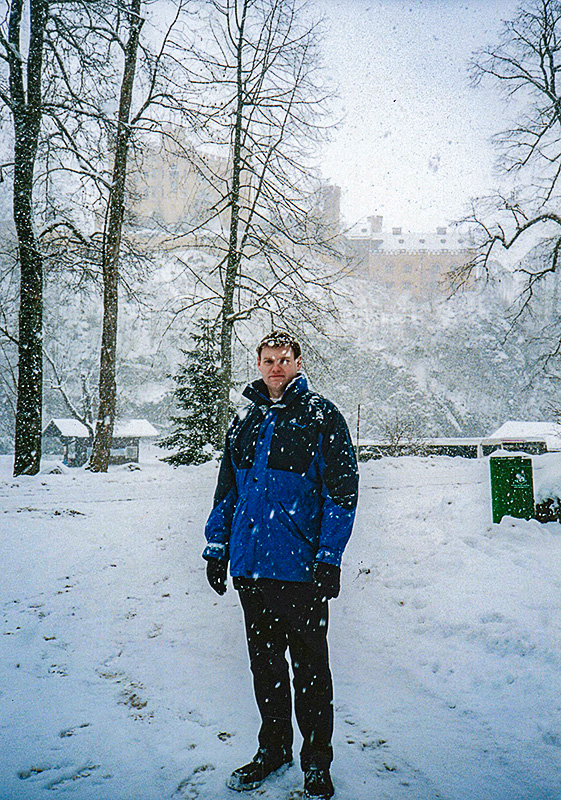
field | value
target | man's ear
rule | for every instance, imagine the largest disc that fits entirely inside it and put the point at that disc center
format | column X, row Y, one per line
column 299, row 362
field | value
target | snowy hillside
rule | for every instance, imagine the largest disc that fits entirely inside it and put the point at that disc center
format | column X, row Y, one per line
column 123, row 676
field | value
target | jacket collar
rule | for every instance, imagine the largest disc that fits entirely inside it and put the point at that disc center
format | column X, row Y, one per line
column 258, row 394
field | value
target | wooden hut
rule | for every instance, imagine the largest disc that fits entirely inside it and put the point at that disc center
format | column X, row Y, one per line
column 72, row 440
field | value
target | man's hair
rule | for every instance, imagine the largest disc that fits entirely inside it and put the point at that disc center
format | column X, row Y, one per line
column 279, row 339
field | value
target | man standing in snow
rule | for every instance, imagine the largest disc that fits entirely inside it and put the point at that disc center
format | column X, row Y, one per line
column 283, row 512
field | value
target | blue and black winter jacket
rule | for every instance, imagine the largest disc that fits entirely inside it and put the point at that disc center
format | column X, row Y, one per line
column 287, row 487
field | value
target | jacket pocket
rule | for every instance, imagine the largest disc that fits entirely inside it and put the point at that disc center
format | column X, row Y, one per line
column 239, row 513
column 288, row 518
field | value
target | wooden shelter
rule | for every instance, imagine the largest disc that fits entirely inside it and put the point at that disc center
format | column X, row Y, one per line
column 72, row 440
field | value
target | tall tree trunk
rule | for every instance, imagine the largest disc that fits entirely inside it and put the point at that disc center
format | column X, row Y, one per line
column 26, row 108
column 233, row 259
column 110, row 258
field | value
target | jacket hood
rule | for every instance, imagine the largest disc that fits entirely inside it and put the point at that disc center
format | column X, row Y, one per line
column 258, row 394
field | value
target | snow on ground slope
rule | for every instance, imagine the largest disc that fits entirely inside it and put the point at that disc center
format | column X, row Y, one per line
column 124, row 677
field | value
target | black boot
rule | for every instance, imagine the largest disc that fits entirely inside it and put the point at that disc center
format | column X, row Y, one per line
column 318, row 784
column 252, row 775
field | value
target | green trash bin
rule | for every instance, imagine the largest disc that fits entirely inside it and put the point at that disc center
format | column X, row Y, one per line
column 512, row 487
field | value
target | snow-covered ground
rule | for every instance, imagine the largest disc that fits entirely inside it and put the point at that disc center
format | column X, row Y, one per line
column 124, row 677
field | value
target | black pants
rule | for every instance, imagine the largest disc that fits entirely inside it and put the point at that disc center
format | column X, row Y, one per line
column 281, row 614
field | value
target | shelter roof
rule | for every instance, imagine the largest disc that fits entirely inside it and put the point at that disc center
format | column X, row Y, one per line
column 124, row 429
column 134, row 428
column 69, row 427
column 519, row 430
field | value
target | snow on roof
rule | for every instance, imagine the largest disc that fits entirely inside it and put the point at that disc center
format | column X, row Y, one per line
column 516, row 430
column 134, row 428
column 388, row 241
column 124, row 429
column 70, row 427
column 444, row 441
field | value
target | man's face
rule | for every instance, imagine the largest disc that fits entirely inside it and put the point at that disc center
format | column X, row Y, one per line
column 278, row 367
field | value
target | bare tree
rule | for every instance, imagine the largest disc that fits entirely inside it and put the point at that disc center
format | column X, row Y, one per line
column 25, row 101
column 151, row 91
column 9, row 306
column 41, row 48
column 111, row 250
column 264, row 104
column 525, row 63
column 401, row 434
column 93, row 53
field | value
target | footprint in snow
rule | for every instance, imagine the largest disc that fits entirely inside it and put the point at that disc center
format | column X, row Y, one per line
column 70, row 778
column 191, row 787
column 58, row 669
column 67, row 585
column 194, row 716
column 136, row 704
column 66, row 778
column 67, row 732
column 131, row 694
column 32, row 772
column 376, row 747
column 155, row 631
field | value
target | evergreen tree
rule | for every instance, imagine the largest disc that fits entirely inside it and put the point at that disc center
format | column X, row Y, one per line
column 196, row 436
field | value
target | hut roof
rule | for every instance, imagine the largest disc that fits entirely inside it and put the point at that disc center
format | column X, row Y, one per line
column 68, row 427
column 124, row 429
column 517, row 430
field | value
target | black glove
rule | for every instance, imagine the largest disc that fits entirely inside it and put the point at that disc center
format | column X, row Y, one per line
column 216, row 574
column 327, row 579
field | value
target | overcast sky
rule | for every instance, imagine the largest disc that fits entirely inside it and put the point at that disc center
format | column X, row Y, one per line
column 414, row 145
